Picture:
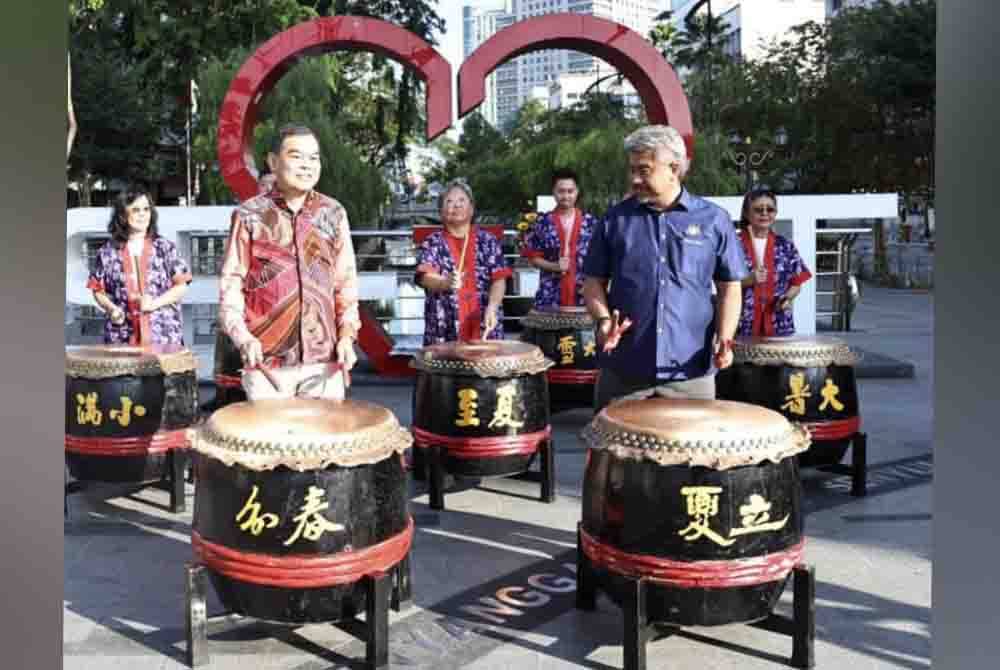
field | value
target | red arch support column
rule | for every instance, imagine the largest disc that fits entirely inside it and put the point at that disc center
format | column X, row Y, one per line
column 653, row 78
column 271, row 60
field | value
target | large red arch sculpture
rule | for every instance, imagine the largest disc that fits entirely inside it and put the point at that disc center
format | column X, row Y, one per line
column 654, row 80
column 274, row 58
column 652, row 76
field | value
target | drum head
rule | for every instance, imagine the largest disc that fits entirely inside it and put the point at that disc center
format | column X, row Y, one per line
column 489, row 358
column 794, row 350
column 302, row 433
column 714, row 433
column 558, row 317
column 112, row 360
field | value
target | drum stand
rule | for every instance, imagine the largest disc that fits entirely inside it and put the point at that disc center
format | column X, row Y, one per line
column 858, row 469
column 172, row 482
column 382, row 591
column 430, row 466
column 638, row 630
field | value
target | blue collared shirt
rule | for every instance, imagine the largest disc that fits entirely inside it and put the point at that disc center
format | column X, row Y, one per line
column 661, row 266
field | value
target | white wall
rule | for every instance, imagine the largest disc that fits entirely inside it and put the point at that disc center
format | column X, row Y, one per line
column 797, row 214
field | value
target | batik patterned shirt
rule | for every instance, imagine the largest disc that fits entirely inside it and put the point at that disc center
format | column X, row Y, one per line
column 785, row 269
column 290, row 279
column 441, row 309
column 161, row 268
column 546, row 240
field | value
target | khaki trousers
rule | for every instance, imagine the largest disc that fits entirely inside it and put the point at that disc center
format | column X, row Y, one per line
column 316, row 380
column 613, row 387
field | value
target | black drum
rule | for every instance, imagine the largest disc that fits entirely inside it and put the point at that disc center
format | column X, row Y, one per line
column 485, row 403
column 701, row 498
column 297, row 501
column 127, row 408
column 228, row 363
column 810, row 380
column 566, row 336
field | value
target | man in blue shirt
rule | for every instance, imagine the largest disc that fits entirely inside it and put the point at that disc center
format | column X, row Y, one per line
column 660, row 250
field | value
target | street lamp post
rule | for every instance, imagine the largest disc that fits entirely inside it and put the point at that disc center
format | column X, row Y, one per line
column 749, row 157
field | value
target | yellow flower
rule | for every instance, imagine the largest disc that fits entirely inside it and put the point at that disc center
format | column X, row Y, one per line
column 523, row 226
column 531, row 217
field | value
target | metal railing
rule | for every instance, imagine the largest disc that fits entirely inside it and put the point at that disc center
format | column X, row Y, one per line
column 840, row 294
column 363, row 253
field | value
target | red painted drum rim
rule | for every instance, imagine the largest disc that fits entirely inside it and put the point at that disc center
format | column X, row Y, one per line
column 482, row 447
column 228, row 381
column 158, row 442
column 564, row 376
column 303, row 572
column 834, row 430
column 716, row 574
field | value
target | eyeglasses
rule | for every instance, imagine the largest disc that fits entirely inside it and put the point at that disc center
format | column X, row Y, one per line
column 765, row 210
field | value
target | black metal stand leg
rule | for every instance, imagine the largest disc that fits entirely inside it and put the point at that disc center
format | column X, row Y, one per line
column 196, row 615
column 377, row 620
column 548, row 469
column 178, row 461
column 859, row 465
column 435, row 477
column 804, row 616
column 418, row 464
column 74, row 486
column 402, row 589
column 586, row 592
column 636, row 624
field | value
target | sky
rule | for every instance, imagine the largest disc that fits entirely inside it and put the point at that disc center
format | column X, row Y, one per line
column 450, row 43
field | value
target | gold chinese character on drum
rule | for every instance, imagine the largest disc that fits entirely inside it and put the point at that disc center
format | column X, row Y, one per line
column 297, row 502
column 565, row 334
column 129, row 413
column 700, row 498
column 811, row 381
column 480, row 409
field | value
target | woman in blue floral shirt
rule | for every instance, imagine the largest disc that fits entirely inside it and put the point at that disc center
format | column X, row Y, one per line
column 777, row 272
column 463, row 273
column 139, row 278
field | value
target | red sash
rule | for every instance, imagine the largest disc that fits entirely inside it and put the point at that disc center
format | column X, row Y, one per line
column 469, row 309
column 567, row 283
column 763, row 294
column 135, row 285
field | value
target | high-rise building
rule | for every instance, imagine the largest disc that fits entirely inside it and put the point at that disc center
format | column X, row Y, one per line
column 834, row 6
column 479, row 23
column 515, row 80
column 751, row 24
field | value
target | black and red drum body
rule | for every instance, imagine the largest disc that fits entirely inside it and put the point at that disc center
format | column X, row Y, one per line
column 297, row 501
column 228, row 378
column 700, row 498
column 810, row 380
column 127, row 408
column 486, row 404
column 566, row 336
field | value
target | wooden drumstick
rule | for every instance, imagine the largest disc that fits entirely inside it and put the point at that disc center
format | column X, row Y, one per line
column 268, row 375
column 465, row 246
column 461, row 266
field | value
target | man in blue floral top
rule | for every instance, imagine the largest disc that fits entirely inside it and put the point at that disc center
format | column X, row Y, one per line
column 557, row 245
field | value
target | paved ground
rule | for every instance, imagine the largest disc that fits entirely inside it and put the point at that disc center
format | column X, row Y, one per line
column 124, row 558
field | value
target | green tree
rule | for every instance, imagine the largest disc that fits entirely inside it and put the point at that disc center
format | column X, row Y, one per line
column 132, row 64
column 303, row 95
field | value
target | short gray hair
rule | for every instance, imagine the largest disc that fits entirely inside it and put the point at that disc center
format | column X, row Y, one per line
column 460, row 184
column 665, row 143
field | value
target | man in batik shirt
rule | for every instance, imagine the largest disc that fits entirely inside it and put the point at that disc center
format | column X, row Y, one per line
column 289, row 283
column 557, row 245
